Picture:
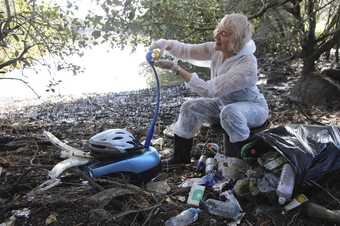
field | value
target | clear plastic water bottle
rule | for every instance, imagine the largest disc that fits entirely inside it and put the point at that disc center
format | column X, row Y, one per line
column 229, row 208
column 285, row 188
column 186, row 217
column 210, row 166
column 201, row 163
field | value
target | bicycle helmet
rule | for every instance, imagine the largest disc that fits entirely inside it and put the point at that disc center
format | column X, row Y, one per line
column 114, row 143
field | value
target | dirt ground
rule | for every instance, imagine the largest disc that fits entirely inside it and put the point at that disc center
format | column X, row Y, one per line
column 26, row 156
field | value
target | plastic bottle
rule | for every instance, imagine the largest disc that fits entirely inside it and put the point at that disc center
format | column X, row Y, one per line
column 210, row 166
column 208, row 180
column 186, row 217
column 201, row 163
column 285, row 188
column 229, row 208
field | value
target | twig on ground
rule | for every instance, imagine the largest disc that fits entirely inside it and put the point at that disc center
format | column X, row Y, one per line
column 86, row 177
column 292, row 221
column 150, row 215
column 300, row 109
column 119, row 215
column 125, row 185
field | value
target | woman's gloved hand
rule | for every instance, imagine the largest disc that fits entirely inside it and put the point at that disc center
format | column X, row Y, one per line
column 161, row 44
column 167, row 64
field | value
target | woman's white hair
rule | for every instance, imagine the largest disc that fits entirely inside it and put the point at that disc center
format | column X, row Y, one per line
column 239, row 27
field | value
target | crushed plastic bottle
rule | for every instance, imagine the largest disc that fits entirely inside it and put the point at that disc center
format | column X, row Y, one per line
column 186, row 217
column 208, row 180
column 285, row 188
column 230, row 208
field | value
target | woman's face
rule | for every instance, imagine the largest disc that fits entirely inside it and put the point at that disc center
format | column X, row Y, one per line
column 223, row 41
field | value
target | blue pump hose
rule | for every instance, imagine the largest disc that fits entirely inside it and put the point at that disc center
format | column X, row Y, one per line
column 139, row 163
column 150, row 60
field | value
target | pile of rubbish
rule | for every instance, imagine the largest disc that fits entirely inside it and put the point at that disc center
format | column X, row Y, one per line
column 272, row 164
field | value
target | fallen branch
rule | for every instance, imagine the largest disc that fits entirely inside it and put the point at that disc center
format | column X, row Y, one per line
column 150, row 215
column 119, row 215
column 325, row 190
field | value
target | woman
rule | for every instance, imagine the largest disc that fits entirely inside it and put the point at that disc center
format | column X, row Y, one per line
column 230, row 97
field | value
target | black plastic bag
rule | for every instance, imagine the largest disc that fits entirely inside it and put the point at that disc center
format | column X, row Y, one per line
column 312, row 150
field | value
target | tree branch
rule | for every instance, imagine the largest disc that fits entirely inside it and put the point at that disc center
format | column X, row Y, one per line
column 265, row 7
column 20, row 57
column 328, row 45
column 26, row 83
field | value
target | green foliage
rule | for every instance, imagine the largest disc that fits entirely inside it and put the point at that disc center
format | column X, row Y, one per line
column 30, row 32
column 133, row 21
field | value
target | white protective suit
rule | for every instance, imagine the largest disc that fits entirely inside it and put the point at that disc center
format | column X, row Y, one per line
column 230, row 97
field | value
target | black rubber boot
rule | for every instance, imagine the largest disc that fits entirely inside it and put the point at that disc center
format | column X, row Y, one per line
column 182, row 151
column 234, row 149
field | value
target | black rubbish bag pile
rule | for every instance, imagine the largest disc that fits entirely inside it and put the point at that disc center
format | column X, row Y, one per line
column 312, row 150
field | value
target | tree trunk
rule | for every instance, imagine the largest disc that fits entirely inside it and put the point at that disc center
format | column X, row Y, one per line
column 309, row 44
column 337, row 53
column 308, row 66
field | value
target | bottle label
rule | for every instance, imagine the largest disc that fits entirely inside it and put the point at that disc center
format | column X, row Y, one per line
column 297, row 201
column 274, row 163
column 196, row 195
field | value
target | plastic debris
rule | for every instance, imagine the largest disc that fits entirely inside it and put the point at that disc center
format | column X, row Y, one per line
column 201, row 163
column 25, row 212
column 223, row 185
column 190, row 182
column 186, row 217
column 230, row 208
column 267, row 183
column 195, row 195
column 169, row 131
column 228, row 195
column 66, row 150
column 220, row 158
column 285, row 188
column 297, row 201
column 271, row 160
column 208, row 180
column 210, row 166
column 67, row 164
column 181, row 198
